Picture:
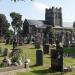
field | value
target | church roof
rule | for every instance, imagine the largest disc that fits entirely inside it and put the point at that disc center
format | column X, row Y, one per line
column 37, row 23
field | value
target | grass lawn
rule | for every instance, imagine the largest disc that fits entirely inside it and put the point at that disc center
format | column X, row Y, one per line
column 30, row 52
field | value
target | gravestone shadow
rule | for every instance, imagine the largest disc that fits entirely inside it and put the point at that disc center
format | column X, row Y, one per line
column 46, row 72
column 32, row 48
column 41, row 72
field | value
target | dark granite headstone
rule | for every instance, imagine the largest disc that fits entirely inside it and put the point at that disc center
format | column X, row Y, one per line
column 46, row 48
column 14, row 43
column 39, row 57
column 57, row 60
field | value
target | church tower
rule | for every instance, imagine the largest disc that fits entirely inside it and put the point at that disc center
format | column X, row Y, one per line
column 53, row 16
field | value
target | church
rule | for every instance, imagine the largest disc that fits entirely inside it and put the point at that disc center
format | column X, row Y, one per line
column 53, row 17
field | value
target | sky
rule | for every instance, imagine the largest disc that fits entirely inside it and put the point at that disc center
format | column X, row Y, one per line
column 36, row 9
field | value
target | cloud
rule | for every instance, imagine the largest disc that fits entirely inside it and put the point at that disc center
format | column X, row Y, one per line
column 40, row 6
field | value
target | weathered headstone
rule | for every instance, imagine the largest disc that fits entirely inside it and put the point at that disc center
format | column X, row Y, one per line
column 26, row 63
column 66, row 39
column 57, row 59
column 46, row 48
column 50, row 41
column 38, row 41
column 39, row 57
column 7, row 41
column 5, row 53
column 20, row 43
column 11, row 41
column 14, row 43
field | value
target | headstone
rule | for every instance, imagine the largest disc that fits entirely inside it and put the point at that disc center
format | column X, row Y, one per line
column 20, row 43
column 50, row 41
column 38, row 41
column 26, row 63
column 1, row 51
column 14, row 43
column 11, row 41
column 46, row 48
column 39, row 57
column 5, row 53
column 66, row 39
column 7, row 41
column 57, row 59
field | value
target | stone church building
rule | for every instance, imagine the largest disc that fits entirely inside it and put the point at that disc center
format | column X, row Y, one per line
column 53, row 17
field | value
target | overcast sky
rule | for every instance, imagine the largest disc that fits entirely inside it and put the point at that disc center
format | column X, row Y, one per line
column 36, row 9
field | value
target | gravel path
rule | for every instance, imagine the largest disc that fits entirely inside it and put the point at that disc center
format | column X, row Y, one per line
column 14, row 72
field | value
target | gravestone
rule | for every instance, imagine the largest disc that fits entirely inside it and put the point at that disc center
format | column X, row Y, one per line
column 11, row 41
column 50, row 41
column 20, row 42
column 57, row 59
column 14, row 43
column 39, row 57
column 5, row 53
column 66, row 39
column 7, row 41
column 38, row 40
column 46, row 48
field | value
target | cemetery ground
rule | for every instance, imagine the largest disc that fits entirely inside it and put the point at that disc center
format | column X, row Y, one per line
column 29, row 52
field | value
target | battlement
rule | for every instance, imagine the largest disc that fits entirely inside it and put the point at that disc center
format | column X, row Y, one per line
column 53, row 16
column 53, row 9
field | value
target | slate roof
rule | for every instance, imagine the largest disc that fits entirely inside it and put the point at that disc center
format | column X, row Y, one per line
column 37, row 23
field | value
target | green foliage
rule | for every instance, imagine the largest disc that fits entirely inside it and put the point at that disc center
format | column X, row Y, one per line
column 69, row 50
column 8, row 33
column 4, row 25
column 16, row 54
column 49, row 31
column 48, row 35
column 30, row 52
column 16, row 21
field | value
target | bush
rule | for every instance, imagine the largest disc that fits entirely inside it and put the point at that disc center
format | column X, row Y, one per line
column 16, row 54
column 70, row 50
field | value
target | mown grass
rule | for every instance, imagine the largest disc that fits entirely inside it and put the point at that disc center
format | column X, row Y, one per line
column 29, row 52
column 44, row 70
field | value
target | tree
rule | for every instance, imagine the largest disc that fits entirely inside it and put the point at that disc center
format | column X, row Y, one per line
column 4, row 25
column 16, row 22
column 49, row 33
column 8, row 34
